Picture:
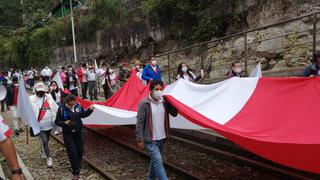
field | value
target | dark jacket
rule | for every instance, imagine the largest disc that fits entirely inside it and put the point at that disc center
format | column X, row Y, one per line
column 64, row 114
column 144, row 120
column 68, row 83
column 313, row 69
column 149, row 73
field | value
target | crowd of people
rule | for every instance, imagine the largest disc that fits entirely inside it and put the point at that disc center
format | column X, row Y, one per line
column 57, row 110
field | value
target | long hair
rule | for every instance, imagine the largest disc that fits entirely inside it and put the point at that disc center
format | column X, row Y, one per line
column 180, row 72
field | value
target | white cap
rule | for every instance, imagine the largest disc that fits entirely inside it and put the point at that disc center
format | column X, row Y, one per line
column 40, row 87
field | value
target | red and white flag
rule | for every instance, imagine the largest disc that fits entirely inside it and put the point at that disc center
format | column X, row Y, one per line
column 275, row 118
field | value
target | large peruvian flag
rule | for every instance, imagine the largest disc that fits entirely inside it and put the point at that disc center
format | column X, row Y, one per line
column 276, row 118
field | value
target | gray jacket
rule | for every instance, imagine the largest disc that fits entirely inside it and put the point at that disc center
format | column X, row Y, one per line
column 144, row 120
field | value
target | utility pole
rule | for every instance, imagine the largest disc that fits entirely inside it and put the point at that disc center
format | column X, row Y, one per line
column 73, row 34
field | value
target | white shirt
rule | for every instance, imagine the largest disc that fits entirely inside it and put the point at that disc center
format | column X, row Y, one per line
column 139, row 74
column 91, row 75
column 101, row 74
column 113, row 81
column 187, row 77
column 71, row 80
column 47, row 122
column 46, row 72
column 157, row 110
column 30, row 74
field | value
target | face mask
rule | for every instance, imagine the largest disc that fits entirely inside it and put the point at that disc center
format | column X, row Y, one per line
column 40, row 94
column 141, row 70
column 184, row 69
column 158, row 94
column 137, row 66
column 124, row 68
column 110, row 71
column 104, row 68
column 154, row 62
column 237, row 70
column 54, row 87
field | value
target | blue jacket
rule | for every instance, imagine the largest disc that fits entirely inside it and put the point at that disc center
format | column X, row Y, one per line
column 311, row 70
column 149, row 73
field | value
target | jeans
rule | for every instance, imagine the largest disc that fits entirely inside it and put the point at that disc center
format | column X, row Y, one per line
column 92, row 90
column 156, row 168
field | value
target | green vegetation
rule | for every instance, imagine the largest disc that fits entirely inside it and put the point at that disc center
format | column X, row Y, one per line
column 191, row 20
column 31, row 34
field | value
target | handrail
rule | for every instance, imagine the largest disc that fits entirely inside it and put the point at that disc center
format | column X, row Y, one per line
column 237, row 34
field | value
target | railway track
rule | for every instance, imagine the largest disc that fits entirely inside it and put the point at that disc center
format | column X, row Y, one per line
column 227, row 149
column 96, row 159
column 225, row 152
column 88, row 161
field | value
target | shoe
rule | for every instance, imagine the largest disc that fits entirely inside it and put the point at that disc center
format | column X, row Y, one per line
column 96, row 99
column 49, row 162
column 20, row 130
column 75, row 177
column 56, row 132
column 16, row 132
column 43, row 156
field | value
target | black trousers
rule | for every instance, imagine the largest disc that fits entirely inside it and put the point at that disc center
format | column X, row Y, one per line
column 74, row 143
column 84, row 88
column 107, row 91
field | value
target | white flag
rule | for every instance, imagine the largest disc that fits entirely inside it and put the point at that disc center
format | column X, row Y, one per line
column 24, row 108
column 57, row 78
column 256, row 72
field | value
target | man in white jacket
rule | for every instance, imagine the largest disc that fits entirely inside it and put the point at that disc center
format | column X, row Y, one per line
column 46, row 111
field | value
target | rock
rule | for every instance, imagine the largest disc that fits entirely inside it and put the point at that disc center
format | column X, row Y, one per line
column 270, row 47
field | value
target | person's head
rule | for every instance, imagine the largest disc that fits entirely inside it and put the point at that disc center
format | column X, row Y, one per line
column 110, row 70
column 40, row 89
column 104, row 66
column 84, row 65
column 316, row 58
column 46, row 67
column 156, row 89
column 236, row 67
column 91, row 68
column 39, row 78
column 153, row 61
column 54, row 85
column 15, row 80
column 137, row 64
column 71, row 100
column 182, row 68
column 124, row 66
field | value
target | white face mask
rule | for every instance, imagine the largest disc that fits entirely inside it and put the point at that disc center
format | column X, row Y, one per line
column 137, row 66
column 237, row 70
column 110, row 71
column 158, row 94
column 154, row 62
column 184, row 69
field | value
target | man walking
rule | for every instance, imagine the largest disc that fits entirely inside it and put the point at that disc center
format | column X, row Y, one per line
column 152, row 128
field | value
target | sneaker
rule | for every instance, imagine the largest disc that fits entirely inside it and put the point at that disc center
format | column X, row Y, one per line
column 43, row 156
column 75, row 177
column 56, row 132
column 49, row 162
